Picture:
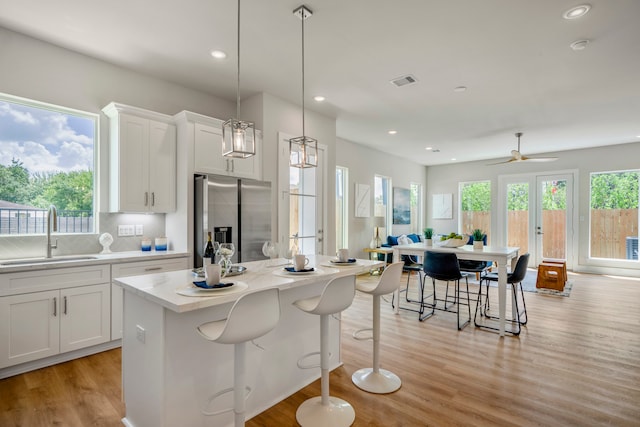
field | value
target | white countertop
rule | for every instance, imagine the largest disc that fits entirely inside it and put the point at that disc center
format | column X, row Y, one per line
column 79, row 260
column 161, row 288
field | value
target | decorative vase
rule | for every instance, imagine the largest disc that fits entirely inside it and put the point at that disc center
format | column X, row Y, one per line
column 478, row 245
column 428, row 242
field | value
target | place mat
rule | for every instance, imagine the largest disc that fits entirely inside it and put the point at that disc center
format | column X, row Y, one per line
column 285, row 273
column 193, row 291
column 341, row 264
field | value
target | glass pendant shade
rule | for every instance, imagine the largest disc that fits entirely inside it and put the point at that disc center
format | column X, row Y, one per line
column 238, row 139
column 303, row 152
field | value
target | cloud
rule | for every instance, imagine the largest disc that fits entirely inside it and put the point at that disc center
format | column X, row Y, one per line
column 42, row 140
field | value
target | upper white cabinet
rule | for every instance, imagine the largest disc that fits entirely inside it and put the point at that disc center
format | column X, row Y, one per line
column 142, row 160
column 205, row 135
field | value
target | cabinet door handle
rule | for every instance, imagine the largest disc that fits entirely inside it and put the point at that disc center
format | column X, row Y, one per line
column 152, row 268
column 65, row 305
column 153, row 198
column 146, row 198
column 55, row 306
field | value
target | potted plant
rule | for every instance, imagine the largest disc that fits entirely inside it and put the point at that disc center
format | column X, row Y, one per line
column 478, row 237
column 428, row 236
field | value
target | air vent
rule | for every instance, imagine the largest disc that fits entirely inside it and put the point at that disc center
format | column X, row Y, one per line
column 404, row 80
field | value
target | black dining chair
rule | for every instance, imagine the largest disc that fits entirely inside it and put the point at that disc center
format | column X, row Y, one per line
column 478, row 267
column 444, row 266
column 514, row 279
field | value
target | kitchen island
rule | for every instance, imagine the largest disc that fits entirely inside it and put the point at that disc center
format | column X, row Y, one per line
column 169, row 371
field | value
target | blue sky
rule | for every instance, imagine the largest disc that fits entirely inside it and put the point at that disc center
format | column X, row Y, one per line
column 44, row 140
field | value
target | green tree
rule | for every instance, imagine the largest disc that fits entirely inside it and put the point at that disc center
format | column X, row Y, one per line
column 70, row 190
column 518, row 197
column 14, row 182
column 617, row 190
column 476, row 197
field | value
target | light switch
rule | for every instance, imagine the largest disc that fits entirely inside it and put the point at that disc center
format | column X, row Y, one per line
column 125, row 230
column 139, row 230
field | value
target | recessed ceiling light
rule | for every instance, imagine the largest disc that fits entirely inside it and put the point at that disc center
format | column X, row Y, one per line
column 579, row 44
column 453, row 159
column 428, row 148
column 318, row 98
column 577, row 11
column 460, row 89
column 218, row 54
column 392, row 132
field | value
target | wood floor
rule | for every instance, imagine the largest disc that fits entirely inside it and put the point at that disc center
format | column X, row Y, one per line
column 576, row 363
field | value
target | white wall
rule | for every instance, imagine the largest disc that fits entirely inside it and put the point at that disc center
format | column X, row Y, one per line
column 445, row 179
column 363, row 164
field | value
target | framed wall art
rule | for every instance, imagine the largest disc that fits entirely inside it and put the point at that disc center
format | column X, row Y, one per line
column 363, row 201
column 401, row 206
column 442, row 206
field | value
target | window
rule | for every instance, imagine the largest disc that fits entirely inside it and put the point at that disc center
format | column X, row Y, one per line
column 416, row 208
column 614, row 215
column 342, row 234
column 475, row 207
column 381, row 205
column 46, row 158
column 302, row 209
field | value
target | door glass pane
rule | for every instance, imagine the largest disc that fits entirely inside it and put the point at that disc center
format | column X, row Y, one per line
column 554, row 218
column 302, row 209
column 475, row 207
column 614, row 215
column 381, row 203
column 518, row 216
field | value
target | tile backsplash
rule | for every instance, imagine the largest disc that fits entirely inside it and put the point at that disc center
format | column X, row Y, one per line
column 28, row 246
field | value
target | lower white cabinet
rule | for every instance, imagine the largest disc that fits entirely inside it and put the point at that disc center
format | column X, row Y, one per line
column 40, row 324
column 136, row 269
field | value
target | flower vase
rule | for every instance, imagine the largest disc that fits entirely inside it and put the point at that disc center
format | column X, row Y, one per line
column 428, row 242
column 478, row 245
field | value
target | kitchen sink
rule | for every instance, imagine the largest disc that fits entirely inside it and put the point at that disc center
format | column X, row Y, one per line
column 43, row 260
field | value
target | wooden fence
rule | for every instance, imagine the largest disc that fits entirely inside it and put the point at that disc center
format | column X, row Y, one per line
column 610, row 229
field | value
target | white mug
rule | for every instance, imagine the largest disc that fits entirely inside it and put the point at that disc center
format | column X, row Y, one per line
column 300, row 262
column 212, row 273
column 343, row 255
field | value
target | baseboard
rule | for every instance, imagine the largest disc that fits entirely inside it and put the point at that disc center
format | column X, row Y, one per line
column 58, row 358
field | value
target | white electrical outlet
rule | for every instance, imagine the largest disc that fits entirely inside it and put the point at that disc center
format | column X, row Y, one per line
column 139, row 230
column 140, row 333
column 126, row 230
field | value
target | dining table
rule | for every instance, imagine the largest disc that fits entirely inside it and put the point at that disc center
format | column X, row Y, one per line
column 169, row 371
column 501, row 255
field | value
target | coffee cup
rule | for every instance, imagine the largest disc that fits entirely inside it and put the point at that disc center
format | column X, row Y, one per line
column 343, row 255
column 300, row 262
column 212, row 274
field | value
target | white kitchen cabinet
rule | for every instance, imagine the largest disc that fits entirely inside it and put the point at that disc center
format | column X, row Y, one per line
column 136, row 269
column 41, row 324
column 142, row 160
column 205, row 134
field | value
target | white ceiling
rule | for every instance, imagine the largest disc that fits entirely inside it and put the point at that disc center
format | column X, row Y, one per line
column 512, row 55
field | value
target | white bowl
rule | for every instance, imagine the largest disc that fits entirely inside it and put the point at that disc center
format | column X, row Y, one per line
column 453, row 243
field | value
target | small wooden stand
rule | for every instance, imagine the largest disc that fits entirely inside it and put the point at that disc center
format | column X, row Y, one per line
column 552, row 274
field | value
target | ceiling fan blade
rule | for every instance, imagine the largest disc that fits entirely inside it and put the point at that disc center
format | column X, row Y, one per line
column 539, row 159
column 506, row 161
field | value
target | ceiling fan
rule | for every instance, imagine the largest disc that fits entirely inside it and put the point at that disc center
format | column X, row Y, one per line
column 516, row 156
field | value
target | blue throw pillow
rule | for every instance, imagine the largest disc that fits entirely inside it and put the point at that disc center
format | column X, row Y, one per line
column 392, row 240
column 414, row 237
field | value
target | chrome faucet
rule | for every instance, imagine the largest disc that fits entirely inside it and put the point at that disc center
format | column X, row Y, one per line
column 52, row 223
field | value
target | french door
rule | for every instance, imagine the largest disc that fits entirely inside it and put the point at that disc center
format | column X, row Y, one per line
column 301, row 216
column 537, row 215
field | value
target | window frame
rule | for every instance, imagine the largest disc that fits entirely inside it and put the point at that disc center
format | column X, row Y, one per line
column 67, row 111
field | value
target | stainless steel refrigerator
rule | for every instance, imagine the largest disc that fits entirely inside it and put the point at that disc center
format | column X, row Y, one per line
column 235, row 211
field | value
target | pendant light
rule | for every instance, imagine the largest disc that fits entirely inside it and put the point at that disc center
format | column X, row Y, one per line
column 238, row 136
column 303, row 149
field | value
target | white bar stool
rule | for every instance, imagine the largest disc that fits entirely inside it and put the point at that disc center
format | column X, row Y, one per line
column 376, row 380
column 252, row 316
column 325, row 410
